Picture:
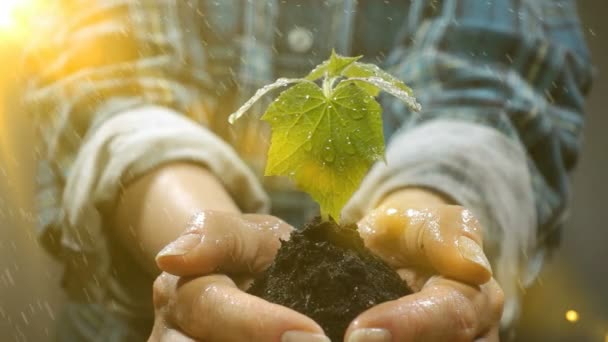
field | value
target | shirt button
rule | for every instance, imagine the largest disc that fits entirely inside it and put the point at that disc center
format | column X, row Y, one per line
column 300, row 39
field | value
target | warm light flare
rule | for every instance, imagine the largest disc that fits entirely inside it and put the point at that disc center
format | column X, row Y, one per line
column 8, row 11
column 16, row 16
column 572, row 316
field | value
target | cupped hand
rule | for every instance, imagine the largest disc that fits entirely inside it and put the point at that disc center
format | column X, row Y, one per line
column 438, row 250
column 199, row 295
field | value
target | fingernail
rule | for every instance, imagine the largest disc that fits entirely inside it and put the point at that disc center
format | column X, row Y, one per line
column 470, row 250
column 303, row 336
column 370, row 335
column 181, row 246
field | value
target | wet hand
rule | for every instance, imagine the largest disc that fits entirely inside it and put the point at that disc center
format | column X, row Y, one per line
column 200, row 296
column 437, row 250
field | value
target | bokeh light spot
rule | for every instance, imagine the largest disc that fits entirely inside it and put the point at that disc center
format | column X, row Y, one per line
column 572, row 316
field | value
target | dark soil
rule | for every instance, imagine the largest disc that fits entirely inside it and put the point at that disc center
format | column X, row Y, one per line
column 325, row 272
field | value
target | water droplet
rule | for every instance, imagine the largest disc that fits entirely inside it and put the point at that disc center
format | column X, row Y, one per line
column 349, row 147
column 356, row 114
column 329, row 154
column 308, row 143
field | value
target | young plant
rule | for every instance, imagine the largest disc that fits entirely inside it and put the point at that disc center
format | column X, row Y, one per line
column 327, row 137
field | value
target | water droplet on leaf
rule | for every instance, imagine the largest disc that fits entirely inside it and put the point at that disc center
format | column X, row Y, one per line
column 356, row 114
column 329, row 154
column 349, row 147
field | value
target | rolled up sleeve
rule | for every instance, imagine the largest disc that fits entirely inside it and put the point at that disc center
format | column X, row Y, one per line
column 502, row 87
column 120, row 87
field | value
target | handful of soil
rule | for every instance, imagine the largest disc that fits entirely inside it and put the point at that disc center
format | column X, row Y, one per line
column 325, row 272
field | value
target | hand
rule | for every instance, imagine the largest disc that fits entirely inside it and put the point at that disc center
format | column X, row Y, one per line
column 437, row 250
column 195, row 299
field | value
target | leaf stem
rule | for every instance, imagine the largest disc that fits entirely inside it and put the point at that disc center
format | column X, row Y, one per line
column 328, row 84
column 324, row 216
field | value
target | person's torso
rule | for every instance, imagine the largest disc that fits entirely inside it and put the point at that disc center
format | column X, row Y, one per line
column 247, row 45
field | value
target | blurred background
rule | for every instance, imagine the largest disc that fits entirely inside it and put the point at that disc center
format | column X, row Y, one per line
column 574, row 285
column 569, row 302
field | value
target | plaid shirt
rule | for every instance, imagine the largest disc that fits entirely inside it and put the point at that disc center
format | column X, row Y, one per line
column 520, row 67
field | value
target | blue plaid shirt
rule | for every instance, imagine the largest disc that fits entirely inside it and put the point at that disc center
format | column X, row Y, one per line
column 520, row 67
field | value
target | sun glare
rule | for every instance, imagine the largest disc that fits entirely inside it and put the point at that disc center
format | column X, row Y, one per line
column 8, row 9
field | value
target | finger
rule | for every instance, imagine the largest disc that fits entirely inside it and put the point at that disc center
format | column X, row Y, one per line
column 161, row 331
column 212, row 308
column 172, row 335
column 224, row 241
column 414, row 279
column 165, row 334
column 492, row 336
column 445, row 310
column 446, row 239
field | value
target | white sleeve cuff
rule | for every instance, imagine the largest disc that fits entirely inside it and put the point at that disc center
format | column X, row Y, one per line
column 479, row 168
column 132, row 143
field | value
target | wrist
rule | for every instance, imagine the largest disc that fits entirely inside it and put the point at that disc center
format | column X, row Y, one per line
column 154, row 210
column 414, row 197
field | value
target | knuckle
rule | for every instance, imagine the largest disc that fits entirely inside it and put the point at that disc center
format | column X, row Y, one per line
column 462, row 221
column 205, row 312
column 161, row 290
column 465, row 318
column 198, row 221
column 497, row 299
column 422, row 226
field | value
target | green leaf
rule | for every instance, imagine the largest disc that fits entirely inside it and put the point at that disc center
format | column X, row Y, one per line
column 390, row 88
column 348, row 67
column 326, row 144
column 332, row 67
column 281, row 82
column 318, row 72
column 372, row 70
column 326, row 138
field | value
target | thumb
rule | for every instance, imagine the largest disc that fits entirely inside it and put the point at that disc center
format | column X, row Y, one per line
column 229, row 242
column 446, row 238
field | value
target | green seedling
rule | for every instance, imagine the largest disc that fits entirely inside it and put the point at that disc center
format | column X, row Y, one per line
column 327, row 137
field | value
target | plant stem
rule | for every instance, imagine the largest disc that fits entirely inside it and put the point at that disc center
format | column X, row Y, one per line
column 328, row 84
column 324, row 216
